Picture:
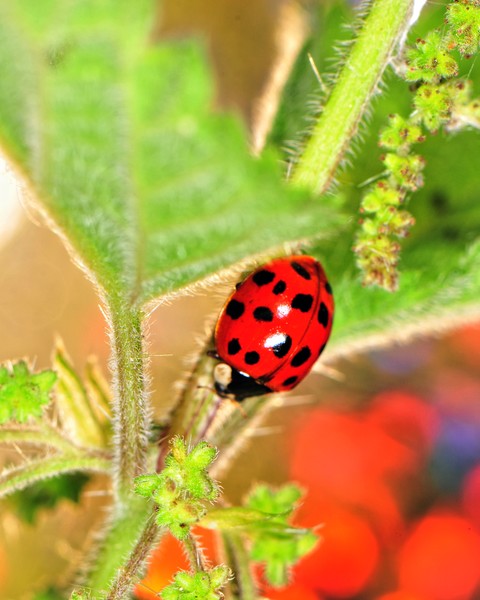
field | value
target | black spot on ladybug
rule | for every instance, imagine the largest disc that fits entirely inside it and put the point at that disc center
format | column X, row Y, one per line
column 302, row 271
column 328, row 288
column 263, row 313
column 263, row 277
column 289, row 381
column 252, row 358
column 279, row 288
column 238, row 285
column 234, row 346
column 280, row 350
column 323, row 314
column 302, row 302
column 235, row 309
column 301, row 357
column 322, row 348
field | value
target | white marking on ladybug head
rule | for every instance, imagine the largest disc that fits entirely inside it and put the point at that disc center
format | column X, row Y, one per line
column 222, row 373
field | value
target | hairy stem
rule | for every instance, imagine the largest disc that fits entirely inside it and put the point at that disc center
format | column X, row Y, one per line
column 126, row 576
column 244, row 584
column 386, row 23
column 25, row 475
column 194, row 553
column 131, row 420
column 122, row 545
column 42, row 436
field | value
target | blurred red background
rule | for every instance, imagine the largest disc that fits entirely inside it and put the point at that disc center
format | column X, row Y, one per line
column 390, row 462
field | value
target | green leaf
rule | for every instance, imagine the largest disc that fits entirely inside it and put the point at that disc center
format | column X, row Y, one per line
column 235, row 517
column 46, row 494
column 23, row 394
column 153, row 190
column 275, row 502
column 77, row 410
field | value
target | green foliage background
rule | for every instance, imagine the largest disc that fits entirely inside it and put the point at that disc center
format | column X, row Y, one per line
column 154, row 190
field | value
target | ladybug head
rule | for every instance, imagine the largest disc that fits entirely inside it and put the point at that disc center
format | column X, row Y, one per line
column 230, row 383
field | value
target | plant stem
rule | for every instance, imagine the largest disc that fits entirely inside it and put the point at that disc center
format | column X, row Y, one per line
column 25, row 475
column 119, row 546
column 126, row 576
column 194, row 553
column 41, row 436
column 131, row 414
column 386, row 23
column 239, row 561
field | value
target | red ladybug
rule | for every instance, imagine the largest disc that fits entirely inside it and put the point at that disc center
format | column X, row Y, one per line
column 273, row 328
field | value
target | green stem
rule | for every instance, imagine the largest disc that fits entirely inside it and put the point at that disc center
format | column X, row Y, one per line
column 120, row 545
column 386, row 23
column 239, row 561
column 25, row 475
column 42, row 436
column 131, row 421
column 194, row 553
column 126, row 576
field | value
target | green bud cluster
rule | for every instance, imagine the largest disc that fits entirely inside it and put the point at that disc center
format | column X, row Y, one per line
column 384, row 219
column 440, row 101
column 463, row 17
column 203, row 585
column 182, row 488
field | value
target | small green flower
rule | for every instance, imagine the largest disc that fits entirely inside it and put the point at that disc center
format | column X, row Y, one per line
column 400, row 134
column 204, row 585
column 23, row 394
column 405, row 170
column 147, row 485
column 463, row 18
column 382, row 194
column 188, row 469
column 433, row 104
column 180, row 515
column 182, row 488
column 430, row 60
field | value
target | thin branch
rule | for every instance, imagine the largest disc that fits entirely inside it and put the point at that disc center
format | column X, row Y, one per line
column 18, row 478
column 238, row 559
column 41, row 436
column 126, row 576
column 383, row 28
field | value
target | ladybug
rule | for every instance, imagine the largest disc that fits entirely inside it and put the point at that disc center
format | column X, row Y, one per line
column 273, row 328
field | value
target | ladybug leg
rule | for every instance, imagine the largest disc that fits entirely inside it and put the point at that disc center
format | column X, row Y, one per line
column 236, row 404
column 213, row 354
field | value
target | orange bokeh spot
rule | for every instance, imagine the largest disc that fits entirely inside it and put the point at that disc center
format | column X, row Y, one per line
column 441, row 558
column 407, row 418
column 165, row 561
column 169, row 558
column 466, row 343
column 348, row 459
column 471, row 496
column 294, row 591
column 344, row 561
column 400, row 595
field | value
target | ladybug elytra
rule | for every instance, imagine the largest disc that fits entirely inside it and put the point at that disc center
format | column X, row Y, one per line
column 273, row 328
